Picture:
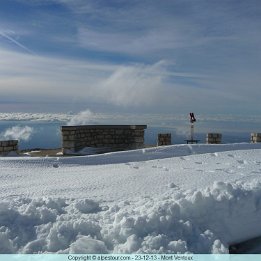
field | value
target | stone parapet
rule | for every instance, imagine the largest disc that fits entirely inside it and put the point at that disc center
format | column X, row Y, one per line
column 214, row 138
column 255, row 137
column 8, row 146
column 106, row 137
column 164, row 139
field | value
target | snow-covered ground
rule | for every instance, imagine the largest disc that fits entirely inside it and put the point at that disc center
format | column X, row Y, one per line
column 173, row 199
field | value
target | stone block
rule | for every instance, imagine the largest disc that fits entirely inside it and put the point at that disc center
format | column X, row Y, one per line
column 71, row 137
column 139, row 132
column 164, row 139
column 255, row 137
column 4, row 143
column 8, row 148
column 138, row 139
column 118, row 132
column 68, row 144
column 65, row 132
column 213, row 138
column 10, row 143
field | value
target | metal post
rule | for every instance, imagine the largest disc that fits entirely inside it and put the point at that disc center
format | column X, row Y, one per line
column 192, row 120
column 192, row 132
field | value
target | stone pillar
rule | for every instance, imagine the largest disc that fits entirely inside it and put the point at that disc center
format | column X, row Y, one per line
column 214, row 138
column 8, row 146
column 164, row 139
column 255, row 137
column 103, row 138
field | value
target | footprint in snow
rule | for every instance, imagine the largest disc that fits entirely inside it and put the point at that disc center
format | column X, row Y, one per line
column 172, row 185
column 160, row 167
column 229, row 171
column 231, row 155
column 199, row 162
column 135, row 167
column 214, row 154
column 242, row 162
column 255, row 172
column 55, row 165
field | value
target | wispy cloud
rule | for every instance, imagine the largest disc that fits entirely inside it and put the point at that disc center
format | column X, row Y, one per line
column 38, row 76
column 154, row 87
column 141, row 28
column 7, row 35
column 64, row 80
column 112, row 54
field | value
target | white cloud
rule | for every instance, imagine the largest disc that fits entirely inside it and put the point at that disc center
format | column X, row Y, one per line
column 82, row 118
column 18, row 133
column 133, row 85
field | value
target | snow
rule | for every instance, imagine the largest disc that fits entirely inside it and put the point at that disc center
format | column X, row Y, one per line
column 85, row 151
column 174, row 199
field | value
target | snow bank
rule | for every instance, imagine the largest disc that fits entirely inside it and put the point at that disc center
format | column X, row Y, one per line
column 156, row 153
column 172, row 204
column 202, row 221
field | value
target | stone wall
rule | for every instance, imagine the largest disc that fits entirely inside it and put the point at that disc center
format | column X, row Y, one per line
column 103, row 137
column 214, row 138
column 164, row 139
column 255, row 137
column 8, row 146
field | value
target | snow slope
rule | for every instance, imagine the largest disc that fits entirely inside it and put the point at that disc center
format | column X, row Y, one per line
column 173, row 199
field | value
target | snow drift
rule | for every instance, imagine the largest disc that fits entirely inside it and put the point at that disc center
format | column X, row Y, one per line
column 200, row 203
column 204, row 221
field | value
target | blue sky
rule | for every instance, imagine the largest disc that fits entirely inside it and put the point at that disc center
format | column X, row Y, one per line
column 138, row 56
